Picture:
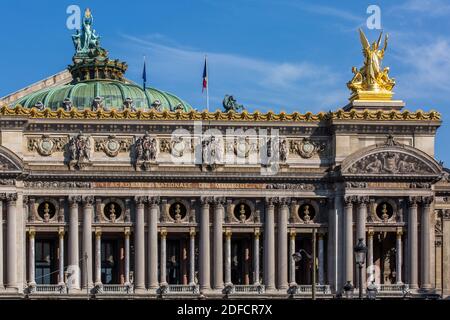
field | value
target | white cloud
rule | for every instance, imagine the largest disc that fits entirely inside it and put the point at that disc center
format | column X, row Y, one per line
column 426, row 7
column 258, row 84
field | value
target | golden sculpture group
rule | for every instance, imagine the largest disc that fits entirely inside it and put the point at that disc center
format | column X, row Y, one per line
column 371, row 81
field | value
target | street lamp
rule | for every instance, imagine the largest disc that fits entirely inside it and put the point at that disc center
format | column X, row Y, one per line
column 360, row 257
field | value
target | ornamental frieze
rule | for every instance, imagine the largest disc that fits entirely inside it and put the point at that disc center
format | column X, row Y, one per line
column 56, row 184
column 112, row 146
column 46, row 145
column 177, row 147
column 389, row 162
column 291, row 186
column 307, row 148
column 242, row 146
column 118, row 113
column 8, row 182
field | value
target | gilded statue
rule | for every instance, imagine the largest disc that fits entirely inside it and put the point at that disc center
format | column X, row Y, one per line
column 371, row 81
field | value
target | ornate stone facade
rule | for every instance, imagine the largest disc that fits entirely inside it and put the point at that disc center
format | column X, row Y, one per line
column 149, row 203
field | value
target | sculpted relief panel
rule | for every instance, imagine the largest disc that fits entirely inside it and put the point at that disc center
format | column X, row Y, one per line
column 390, row 162
column 46, row 145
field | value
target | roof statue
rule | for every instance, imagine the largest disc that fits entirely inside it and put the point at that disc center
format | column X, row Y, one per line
column 371, row 81
column 229, row 103
column 86, row 40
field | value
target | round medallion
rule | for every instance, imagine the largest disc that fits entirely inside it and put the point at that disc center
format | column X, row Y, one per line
column 242, row 212
column 113, row 145
column 308, row 147
column 46, row 210
column 112, row 211
column 178, row 148
column 46, row 146
column 177, row 211
column 384, row 211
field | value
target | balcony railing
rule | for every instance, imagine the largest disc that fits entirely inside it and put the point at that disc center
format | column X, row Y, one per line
column 117, row 289
column 393, row 287
column 182, row 289
column 46, row 289
column 251, row 289
column 307, row 289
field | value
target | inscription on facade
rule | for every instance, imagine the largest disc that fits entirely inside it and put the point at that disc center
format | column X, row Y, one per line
column 178, row 185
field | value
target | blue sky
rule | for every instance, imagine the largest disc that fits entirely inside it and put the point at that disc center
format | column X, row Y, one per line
column 270, row 54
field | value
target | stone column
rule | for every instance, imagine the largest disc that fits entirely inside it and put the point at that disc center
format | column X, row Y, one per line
column 412, row 243
column 61, row 256
column 228, row 257
column 152, row 244
column 363, row 201
column 204, row 267
column 126, row 235
column 282, row 258
column 370, row 267
column 256, row 257
column 98, row 257
column 139, row 246
column 292, row 236
column 321, row 260
column 218, row 243
column 192, row 256
column 163, row 270
column 425, row 230
column 86, row 280
column 348, row 240
column 331, row 243
column 446, row 251
column 31, row 257
column 269, row 244
column 398, row 256
column 2, row 197
column 11, row 241
column 74, row 255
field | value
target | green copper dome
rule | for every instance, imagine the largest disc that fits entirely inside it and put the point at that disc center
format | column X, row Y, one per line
column 113, row 95
column 99, row 82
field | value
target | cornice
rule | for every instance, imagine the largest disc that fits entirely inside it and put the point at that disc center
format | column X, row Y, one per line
column 116, row 114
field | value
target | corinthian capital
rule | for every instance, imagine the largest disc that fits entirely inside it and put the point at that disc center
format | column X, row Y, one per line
column 88, row 201
column 413, row 201
column 284, row 201
column 206, row 200
column 219, row 201
column 428, row 200
column 74, row 200
column 349, row 200
column 154, row 201
column 272, row 200
column 11, row 198
column 363, row 200
column 140, row 200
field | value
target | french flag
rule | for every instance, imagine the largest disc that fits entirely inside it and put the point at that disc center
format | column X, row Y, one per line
column 205, row 77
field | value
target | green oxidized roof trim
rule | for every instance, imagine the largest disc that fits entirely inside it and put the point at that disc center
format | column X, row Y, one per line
column 98, row 81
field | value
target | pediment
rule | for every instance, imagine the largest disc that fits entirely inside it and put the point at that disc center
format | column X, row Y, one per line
column 391, row 159
column 9, row 161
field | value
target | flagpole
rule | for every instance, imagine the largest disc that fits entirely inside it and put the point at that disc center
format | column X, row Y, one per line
column 207, row 84
column 144, row 75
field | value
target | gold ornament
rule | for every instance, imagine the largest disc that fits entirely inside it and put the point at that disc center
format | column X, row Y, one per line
column 371, row 81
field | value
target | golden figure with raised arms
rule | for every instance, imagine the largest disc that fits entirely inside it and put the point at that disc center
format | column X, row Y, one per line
column 371, row 81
